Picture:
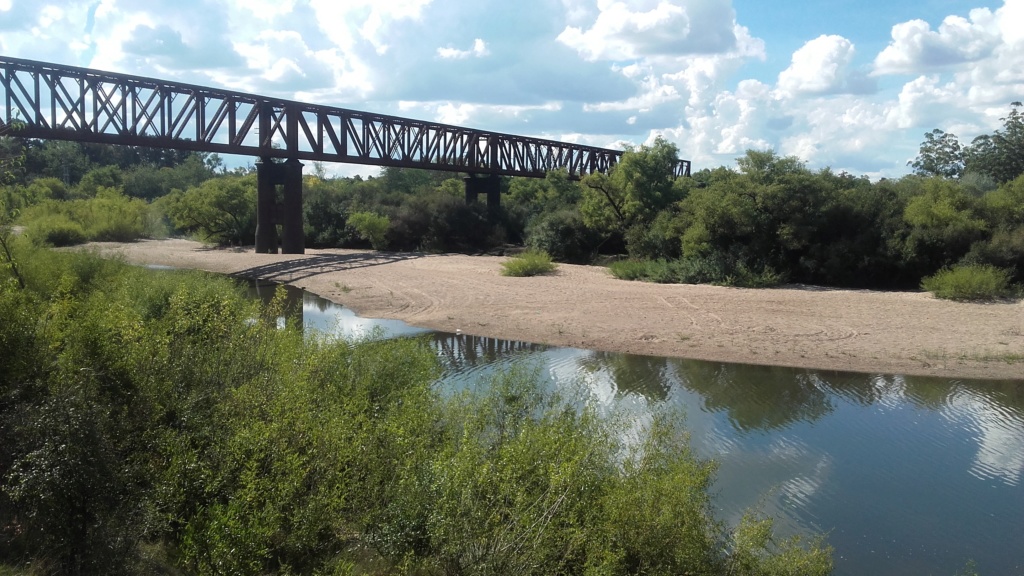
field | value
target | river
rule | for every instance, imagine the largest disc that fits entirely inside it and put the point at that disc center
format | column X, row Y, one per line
column 904, row 475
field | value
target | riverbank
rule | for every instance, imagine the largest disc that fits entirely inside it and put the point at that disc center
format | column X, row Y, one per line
column 585, row 307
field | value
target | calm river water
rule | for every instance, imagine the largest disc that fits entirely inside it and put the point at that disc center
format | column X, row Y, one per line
column 905, row 475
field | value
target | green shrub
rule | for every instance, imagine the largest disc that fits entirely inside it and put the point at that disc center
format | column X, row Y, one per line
column 56, row 230
column 222, row 210
column 630, row 269
column 1004, row 250
column 440, row 222
column 325, row 215
column 563, row 235
column 146, row 408
column 371, row 227
column 109, row 217
column 528, row 263
column 113, row 217
column 697, row 270
column 655, row 239
column 972, row 282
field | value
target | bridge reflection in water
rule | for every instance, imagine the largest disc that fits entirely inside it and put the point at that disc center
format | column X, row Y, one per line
column 458, row 353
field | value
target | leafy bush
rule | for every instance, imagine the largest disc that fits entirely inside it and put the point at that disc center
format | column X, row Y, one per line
column 972, row 282
column 564, row 236
column 109, row 217
column 528, row 263
column 222, row 210
column 655, row 240
column 630, row 269
column 440, row 222
column 1005, row 250
column 163, row 408
column 113, row 217
column 56, row 230
column 700, row 270
column 371, row 227
column 324, row 217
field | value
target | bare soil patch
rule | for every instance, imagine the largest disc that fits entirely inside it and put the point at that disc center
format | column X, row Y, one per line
column 584, row 306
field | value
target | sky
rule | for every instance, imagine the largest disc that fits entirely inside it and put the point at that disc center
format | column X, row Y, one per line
column 850, row 85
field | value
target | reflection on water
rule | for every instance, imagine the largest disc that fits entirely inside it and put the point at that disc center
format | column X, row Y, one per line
column 758, row 397
column 906, row 475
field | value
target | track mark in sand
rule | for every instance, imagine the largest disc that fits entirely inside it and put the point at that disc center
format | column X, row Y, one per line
column 842, row 333
column 398, row 301
column 432, row 302
column 696, row 314
column 686, row 302
column 829, row 333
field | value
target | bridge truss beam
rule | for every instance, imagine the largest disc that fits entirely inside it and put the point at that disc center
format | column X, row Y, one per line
column 71, row 103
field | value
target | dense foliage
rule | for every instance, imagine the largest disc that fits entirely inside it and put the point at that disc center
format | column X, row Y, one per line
column 768, row 220
column 998, row 157
column 155, row 422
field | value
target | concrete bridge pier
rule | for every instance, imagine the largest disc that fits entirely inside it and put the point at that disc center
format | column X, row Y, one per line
column 279, row 201
column 490, row 185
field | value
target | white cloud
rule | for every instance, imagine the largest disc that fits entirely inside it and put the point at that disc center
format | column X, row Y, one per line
column 652, row 93
column 627, row 30
column 916, row 47
column 368, row 20
column 618, row 33
column 269, row 10
column 479, row 50
column 286, row 65
column 474, row 115
column 921, row 100
column 157, row 38
column 823, row 66
column 47, row 32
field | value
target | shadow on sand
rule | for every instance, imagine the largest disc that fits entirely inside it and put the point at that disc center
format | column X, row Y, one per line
column 306, row 266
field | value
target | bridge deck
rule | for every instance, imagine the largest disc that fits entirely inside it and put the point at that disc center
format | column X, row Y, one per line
column 70, row 103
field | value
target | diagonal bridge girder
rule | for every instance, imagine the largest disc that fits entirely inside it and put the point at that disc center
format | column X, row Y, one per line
column 58, row 102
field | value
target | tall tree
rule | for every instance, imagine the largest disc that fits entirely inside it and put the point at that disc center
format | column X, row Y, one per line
column 1000, row 155
column 635, row 190
column 940, row 155
column 767, row 167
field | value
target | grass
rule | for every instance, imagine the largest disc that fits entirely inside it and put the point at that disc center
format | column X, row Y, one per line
column 969, row 283
column 528, row 263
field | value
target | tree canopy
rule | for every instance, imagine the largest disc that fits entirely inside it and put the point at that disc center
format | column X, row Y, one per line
column 634, row 190
column 999, row 156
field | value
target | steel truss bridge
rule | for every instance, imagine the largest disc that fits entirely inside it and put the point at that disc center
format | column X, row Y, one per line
column 56, row 102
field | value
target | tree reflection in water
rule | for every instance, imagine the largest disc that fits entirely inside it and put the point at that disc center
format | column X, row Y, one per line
column 911, row 474
column 757, row 397
column 647, row 376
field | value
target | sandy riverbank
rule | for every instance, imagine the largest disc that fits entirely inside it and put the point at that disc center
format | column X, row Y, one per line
column 585, row 307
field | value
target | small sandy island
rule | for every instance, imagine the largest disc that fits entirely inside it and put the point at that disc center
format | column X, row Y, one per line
column 585, row 307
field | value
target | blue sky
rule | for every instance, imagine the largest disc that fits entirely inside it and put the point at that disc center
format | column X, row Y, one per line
column 847, row 84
